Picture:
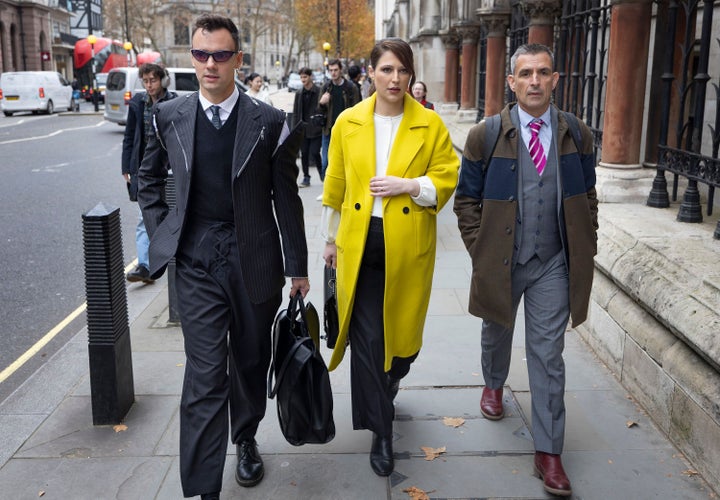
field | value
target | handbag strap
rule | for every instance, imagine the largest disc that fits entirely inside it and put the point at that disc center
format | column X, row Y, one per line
column 272, row 389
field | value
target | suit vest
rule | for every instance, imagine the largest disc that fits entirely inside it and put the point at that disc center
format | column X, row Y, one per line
column 537, row 229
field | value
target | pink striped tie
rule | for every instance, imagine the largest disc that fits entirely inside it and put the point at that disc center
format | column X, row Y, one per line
column 537, row 153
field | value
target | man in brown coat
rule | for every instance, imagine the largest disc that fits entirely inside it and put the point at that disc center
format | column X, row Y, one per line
column 528, row 217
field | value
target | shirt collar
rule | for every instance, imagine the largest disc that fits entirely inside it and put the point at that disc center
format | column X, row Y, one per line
column 526, row 118
column 228, row 104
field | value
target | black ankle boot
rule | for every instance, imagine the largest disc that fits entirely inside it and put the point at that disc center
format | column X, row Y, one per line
column 381, row 455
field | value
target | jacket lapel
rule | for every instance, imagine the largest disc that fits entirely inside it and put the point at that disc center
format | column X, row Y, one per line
column 247, row 133
column 183, row 126
column 408, row 140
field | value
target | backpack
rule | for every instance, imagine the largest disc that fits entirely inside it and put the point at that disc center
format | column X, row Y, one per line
column 492, row 134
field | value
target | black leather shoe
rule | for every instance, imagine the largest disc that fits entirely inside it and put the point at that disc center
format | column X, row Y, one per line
column 250, row 470
column 140, row 273
column 210, row 496
column 381, row 455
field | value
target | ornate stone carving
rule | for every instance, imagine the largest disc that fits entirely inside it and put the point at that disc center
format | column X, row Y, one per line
column 496, row 25
column 450, row 40
column 469, row 33
column 542, row 12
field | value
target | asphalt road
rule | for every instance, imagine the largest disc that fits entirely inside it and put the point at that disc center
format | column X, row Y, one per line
column 54, row 169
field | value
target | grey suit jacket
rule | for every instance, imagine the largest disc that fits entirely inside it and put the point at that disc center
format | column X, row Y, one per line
column 264, row 187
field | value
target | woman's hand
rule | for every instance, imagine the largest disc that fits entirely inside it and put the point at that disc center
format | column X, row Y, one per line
column 330, row 255
column 389, row 185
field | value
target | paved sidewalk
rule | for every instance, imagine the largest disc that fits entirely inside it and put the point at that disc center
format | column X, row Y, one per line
column 49, row 447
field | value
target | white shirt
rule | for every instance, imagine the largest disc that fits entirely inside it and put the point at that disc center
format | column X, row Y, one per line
column 386, row 128
column 545, row 133
column 226, row 106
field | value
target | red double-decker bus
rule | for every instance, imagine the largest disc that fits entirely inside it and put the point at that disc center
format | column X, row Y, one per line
column 108, row 54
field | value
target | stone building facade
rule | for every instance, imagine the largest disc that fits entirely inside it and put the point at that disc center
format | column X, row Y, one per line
column 645, row 76
column 34, row 36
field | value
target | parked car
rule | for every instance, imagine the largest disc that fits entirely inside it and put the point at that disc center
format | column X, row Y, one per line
column 124, row 83
column 294, row 84
column 34, row 91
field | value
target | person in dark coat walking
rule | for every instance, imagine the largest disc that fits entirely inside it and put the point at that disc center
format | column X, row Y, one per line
column 137, row 131
column 304, row 108
column 236, row 232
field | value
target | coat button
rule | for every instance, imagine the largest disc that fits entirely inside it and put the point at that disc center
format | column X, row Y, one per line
column 511, row 198
column 512, row 168
column 406, row 210
column 511, row 134
column 357, row 206
column 505, row 262
column 508, row 230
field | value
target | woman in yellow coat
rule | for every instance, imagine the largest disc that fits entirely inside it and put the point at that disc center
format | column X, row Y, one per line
column 391, row 169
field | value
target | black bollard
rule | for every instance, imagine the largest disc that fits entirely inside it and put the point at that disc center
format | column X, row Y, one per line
column 171, row 199
column 111, row 377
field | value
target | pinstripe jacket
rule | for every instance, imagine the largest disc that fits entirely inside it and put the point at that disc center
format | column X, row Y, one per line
column 267, row 207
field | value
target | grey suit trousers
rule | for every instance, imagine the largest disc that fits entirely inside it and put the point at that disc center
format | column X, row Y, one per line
column 544, row 286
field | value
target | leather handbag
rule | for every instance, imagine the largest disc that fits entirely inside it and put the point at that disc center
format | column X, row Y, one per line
column 302, row 381
column 331, row 322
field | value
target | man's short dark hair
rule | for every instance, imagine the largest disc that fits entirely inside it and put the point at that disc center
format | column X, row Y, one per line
column 354, row 71
column 335, row 62
column 213, row 22
column 153, row 69
column 305, row 71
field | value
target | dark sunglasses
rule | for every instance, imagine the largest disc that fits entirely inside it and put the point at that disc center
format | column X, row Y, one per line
column 219, row 57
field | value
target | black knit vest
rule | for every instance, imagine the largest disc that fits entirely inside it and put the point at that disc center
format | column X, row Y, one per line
column 211, row 187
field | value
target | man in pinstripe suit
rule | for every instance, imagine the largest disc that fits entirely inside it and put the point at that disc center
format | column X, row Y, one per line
column 233, row 160
column 528, row 217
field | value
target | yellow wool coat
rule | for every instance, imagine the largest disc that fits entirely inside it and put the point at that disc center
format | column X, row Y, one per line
column 422, row 146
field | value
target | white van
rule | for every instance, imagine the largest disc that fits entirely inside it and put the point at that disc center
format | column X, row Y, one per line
column 123, row 83
column 34, row 91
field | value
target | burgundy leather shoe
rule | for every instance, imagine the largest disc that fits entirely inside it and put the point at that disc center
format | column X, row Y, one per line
column 491, row 404
column 548, row 467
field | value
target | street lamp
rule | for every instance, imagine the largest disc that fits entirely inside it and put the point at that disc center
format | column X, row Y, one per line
column 326, row 48
column 277, row 69
column 92, row 40
column 128, row 47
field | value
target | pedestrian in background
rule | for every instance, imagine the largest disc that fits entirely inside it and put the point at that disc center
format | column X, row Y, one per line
column 304, row 108
column 419, row 92
column 337, row 95
column 528, row 217
column 138, row 130
column 255, row 88
column 392, row 168
column 233, row 158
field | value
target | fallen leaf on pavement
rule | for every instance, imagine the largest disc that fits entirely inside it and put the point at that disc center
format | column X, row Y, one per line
column 630, row 423
column 41, row 493
column 432, row 453
column 416, row 493
column 120, row 428
column 180, row 364
column 453, row 421
column 690, row 472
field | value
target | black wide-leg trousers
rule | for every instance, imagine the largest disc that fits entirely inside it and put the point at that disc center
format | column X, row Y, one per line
column 228, row 347
column 372, row 405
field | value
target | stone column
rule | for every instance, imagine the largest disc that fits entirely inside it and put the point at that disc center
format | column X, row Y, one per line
column 468, row 98
column 452, row 53
column 495, row 68
column 621, row 177
column 542, row 14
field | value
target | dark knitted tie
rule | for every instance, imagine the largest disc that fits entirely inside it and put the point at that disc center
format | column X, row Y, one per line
column 216, row 116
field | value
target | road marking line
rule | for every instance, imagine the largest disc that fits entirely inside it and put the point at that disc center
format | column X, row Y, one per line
column 51, row 134
column 27, row 355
